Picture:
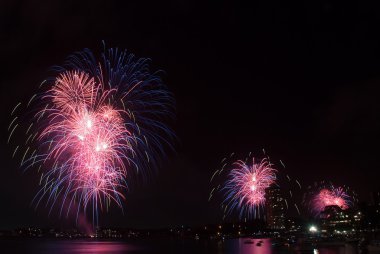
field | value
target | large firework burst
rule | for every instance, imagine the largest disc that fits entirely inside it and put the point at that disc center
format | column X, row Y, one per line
column 94, row 123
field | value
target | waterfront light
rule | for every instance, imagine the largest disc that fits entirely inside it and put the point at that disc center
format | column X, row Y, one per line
column 313, row 229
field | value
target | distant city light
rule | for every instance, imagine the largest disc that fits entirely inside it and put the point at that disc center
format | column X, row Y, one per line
column 313, row 229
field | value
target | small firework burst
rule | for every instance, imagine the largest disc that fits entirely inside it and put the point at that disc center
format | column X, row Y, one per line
column 326, row 195
column 245, row 187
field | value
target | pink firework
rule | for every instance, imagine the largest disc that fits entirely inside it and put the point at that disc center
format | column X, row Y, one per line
column 87, row 130
column 330, row 196
column 246, row 186
column 96, row 124
column 74, row 90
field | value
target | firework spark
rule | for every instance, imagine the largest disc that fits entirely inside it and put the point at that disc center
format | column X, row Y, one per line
column 96, row 123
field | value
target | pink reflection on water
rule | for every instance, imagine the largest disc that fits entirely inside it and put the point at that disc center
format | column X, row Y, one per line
column 95, row 247
column 256, row 246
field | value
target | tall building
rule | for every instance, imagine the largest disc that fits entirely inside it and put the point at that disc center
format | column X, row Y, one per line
column 275, row 209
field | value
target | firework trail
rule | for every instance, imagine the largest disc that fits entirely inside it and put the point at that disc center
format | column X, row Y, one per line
column 244, row 189
column 290, row 190
column 94, row 123
column 328, row 195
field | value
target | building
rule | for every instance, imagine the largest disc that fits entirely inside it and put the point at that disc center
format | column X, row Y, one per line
column 275, row 209
column 336, row 221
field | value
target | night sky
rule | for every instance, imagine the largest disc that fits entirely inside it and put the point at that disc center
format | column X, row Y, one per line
column 298, row 79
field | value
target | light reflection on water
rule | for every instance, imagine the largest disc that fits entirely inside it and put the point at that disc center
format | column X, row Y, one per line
column 84, row 247
column 264, row 246
column 230, row 246
column 46, row 246
column 248, row 245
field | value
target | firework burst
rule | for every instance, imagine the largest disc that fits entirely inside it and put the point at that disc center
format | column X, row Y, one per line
column 244, row 189
column 328, row 195
column 93, row 124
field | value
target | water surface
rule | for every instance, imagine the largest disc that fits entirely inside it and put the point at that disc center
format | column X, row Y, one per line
column 148, row 246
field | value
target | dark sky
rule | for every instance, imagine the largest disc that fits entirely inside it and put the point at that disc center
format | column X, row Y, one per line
column 299, row 79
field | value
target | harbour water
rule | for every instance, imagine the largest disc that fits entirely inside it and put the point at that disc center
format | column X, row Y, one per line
column 147, row 246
